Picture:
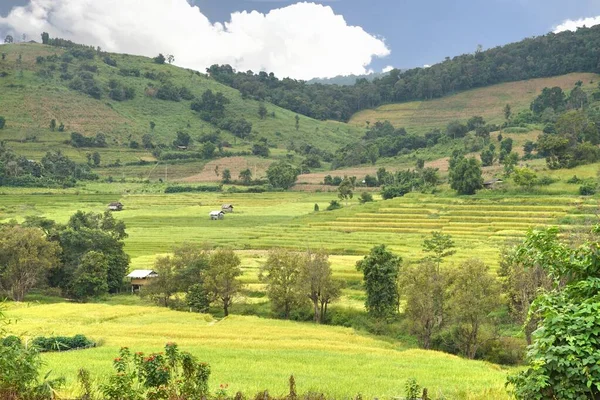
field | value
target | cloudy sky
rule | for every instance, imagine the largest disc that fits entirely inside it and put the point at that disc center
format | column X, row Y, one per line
column 299, row 39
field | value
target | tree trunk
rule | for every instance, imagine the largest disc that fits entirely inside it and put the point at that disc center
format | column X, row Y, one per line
column 226, row 307
column 316, row 308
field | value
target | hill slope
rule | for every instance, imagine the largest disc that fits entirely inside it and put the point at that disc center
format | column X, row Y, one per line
column 34, row 93
column 488, row 102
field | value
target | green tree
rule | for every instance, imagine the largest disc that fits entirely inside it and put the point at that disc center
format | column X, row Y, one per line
column 297, row 118
column 317, row 283
column 562, row 362
column 280, row 273
column 346, row 190
column 510, row 162
column 90, row 278
column 160, row 59
column 226, row 176
column 166, row 284
column 26, row 256
column 472, row 296
column 96, row 158
column 45, row 38
column 2, row 122
column 152, row 125
column 147, row 141
column 282, row 175
column 365, row 197
column 52, row 124
column 423, row 287
column 465, row 176
column 380, row 274
column 577, row 99
column 262, row 111
column 525, row 177
column 440, row 246
column 507, row 112
column 246, row 176
column 487, row 156
column 221, row 278
column 183, row 139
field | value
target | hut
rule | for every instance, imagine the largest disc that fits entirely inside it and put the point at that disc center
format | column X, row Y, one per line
column 140, row 277
column 216, row 215
column 115, row 206
column 492, row 183
column 227, row 208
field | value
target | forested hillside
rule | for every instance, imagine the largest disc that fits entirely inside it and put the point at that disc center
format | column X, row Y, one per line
column 543, row 56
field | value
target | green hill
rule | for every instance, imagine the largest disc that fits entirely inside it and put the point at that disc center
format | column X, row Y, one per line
column 35, row 89
column 488, row 102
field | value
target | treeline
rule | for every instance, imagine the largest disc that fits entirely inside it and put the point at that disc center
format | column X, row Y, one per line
column 55, row 169
column 543, row 56
column 84, row 258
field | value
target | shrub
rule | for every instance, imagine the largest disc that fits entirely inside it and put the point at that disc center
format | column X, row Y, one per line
column 390, row 192
column 365, row 197
column 61, row 343
column 546, row 180
column 334, row 205
column 587, row 189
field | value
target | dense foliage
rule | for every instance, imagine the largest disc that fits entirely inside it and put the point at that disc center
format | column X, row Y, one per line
column 527, row 59
column 61, row 343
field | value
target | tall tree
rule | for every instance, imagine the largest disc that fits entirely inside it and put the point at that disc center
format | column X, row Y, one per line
column 440, row 246
column 380, row 274
column 221, row 278
column 282, row 175
column 26, row 256
column 345, row 190
column 473, row 294
column 45, row 38
column 280, row 273
column 317, row 283
column 246, row 176
column 90, row 278
column 465, row 175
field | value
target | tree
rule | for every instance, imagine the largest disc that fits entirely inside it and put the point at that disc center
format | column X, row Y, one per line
column 562, row 361
column 507, row 112
column 220, row 281
column 465, row 176
column 365, row 197
column 280, row 273
column 423, row 287
column 53, row 125
column 152, row 125
column 90, row 277
column 45, row 38
column 317, row 283
column 262, row 111
column 246, row 176
column 261, row 149
column 506, row 145
column 553, row 98
column 577, row 99
column 380, row 273
column 525, row 177
column 96, row 158
column 166, row 284
column 510, row 162
column 170, row 58
column 226, row 176
column 345, row 190
column 475, row 122
column 160, row 59
column 9, row 39
column 487, row 156
column 26, row 256
column 147, row 141
column 2, row 122
column 282, row 175
column 439, row 246
column 183, row 139
column 473, row 295
column 297, row 118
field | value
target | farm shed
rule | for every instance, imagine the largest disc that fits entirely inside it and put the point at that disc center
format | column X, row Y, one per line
column 115, row 206
column 216, row 215
column 228, row 208
column 492, row 183
column 140, row 277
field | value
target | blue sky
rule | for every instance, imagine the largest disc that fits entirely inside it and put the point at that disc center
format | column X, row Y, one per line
column 418, row 32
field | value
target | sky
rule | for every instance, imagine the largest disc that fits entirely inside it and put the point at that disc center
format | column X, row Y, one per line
column 318, row 38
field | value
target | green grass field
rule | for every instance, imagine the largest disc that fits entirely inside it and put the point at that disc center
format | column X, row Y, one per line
column 252, row 354
column 488, row 102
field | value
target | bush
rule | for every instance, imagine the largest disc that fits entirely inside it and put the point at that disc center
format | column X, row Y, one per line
column 575, row 180
column 587, row 189
column 188, row 189
column 61, row 343
column 546, row 180
column 334, row 205
column 365, row 197
column 390, row 192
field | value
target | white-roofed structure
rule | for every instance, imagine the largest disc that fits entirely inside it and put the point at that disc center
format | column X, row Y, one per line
column 140, row 277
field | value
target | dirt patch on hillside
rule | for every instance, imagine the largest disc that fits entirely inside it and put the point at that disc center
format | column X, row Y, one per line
column 235, row 165
column 360, row 172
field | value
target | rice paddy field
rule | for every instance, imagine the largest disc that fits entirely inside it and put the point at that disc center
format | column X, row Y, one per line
column 253, row 354
column 250, row 353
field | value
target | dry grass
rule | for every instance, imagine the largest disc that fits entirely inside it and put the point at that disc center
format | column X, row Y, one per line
column 235, row 165
column 421, row 116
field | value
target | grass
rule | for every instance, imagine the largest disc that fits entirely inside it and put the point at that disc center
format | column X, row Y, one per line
column 252, row 354
column 488, row 102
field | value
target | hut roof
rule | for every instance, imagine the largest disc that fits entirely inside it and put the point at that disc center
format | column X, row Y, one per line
column 116, row 203
column 142, row 273
column 227, row 206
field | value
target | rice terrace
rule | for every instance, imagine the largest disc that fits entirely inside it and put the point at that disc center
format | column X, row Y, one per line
column 262, row 216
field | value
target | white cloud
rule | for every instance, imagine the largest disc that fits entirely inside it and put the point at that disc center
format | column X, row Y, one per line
column 303, row 40
column 387, row 69
column 572, row 25
column 426, row 66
